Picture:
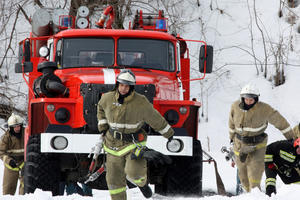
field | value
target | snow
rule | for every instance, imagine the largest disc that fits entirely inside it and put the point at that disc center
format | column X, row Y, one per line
column 229, row 33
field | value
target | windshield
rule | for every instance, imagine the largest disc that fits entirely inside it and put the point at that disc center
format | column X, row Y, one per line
column 146, row 53
column 85, row 52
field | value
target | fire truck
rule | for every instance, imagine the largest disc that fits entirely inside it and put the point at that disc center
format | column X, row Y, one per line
column 67, row 66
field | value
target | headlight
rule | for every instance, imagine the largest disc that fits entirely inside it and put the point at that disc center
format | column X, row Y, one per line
column 183, row 110
column 59, row 142
column 44, row 51
column 50, row 107
column 172, row 117
column 175, row 145
column 62, row 115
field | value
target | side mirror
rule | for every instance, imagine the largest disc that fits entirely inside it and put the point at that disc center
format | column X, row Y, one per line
column 27, row 51
column 208, row 58
column 24, row 58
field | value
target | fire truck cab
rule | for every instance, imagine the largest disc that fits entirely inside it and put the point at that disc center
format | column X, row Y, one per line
column 68, row 70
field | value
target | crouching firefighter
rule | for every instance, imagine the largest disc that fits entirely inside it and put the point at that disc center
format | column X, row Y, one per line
column 121, row 114
column 12, row 154
column 282, row 158
column 248, row 121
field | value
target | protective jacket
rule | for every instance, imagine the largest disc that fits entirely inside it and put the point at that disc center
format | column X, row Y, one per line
column 255, row 121
column 281, row 159
column 246, row 130
column 12, row 148
column 120, row 121
column 127, row 118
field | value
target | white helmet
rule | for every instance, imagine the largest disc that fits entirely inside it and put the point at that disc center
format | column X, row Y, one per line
column 250, row 91
column 126, row 77
column 14, row 120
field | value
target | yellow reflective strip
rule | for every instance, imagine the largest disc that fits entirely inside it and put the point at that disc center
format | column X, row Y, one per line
column 270, row 180
column 117, row 191
column 270, row 183
column 261, row 145
column 123, row 151
column 254, row 180
column 268, row 158
column 21, row 166
column 13, row 169
column 236, row 153
column 286, row 156
column 139, row 180
column 137, row 152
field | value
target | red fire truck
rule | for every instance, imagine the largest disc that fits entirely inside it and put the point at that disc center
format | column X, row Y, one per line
column 67, row 66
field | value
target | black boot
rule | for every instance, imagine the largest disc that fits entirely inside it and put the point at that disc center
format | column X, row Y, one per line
column 146, row 190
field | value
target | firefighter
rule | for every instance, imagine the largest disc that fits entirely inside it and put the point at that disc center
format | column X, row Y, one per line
column 121, row 114
column 282, row 158
column 248, row 120
column 12, row 155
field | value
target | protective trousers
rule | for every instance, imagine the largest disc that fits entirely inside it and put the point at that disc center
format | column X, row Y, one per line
column 10, row 181
column 251, row 171
column 120, row 168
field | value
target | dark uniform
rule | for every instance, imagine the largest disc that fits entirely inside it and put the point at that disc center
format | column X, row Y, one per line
column 281, row 159
column 12, row 148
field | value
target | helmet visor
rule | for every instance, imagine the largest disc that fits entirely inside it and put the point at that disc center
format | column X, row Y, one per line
column 252, row 96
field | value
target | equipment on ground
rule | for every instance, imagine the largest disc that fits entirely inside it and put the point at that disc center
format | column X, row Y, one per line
column 69, row 65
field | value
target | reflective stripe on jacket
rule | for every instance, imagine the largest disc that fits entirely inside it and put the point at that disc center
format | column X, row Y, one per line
column 128, row 117
column 255, row 121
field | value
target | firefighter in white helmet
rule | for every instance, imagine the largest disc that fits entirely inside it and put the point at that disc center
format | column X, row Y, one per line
column 12, row 155
column 248, row 121
column 121, row 115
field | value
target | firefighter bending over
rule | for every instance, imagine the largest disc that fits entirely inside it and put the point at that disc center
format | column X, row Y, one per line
column 12, row 155
column 248, row 120
column 282, row 158
column 121, row 115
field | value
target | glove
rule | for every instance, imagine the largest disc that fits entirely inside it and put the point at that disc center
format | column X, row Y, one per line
column 170, row 139
column 270, row 189
column 96, row 150
column 247, row 149
column 12, row 163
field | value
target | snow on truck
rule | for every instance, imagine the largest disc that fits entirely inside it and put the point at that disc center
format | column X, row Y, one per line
column 67, row 66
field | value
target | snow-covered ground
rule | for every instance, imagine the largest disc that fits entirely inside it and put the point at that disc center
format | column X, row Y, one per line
column 221, row 89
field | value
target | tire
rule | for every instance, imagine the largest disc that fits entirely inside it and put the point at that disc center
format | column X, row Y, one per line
column 184, row 175
column 41, row 170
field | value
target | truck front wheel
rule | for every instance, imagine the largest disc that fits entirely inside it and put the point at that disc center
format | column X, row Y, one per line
column 41, row 170
column 184, row 175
